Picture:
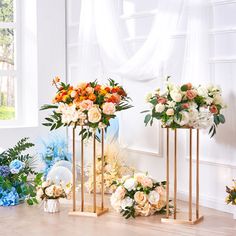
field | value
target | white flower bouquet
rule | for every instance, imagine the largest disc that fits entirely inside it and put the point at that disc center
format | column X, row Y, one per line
column 139, row 195
column 186, row 106
column 49, row 190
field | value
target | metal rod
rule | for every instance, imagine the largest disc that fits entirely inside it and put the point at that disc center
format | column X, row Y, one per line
column 102, row 190
column 197, row 177
column 94, row 173
column 167, row 173
column 175, row 174
column 74, row 170
column 190, row 174
column 82, row 172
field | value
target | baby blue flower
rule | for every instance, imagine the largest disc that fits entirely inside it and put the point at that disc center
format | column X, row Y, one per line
column 9, row 197
column 16, row 166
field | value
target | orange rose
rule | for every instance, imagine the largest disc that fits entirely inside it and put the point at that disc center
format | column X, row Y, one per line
column 213, row 109
column 97, row 88
column 92, row 97
column 108, row 89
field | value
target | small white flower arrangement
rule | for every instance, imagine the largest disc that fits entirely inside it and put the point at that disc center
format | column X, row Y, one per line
column 49, row 190
column 139, row 195
column 186, row 106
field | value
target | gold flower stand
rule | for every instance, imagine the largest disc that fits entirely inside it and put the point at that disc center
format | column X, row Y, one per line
column 92, row 210
column 190, row 219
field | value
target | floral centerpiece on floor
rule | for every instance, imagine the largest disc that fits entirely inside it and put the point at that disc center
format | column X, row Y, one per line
column 139, row 195
column 186, row 106
column 231, row 197
column 18, row 178
column 114, row 168
column 89, row 104
column 50, row 193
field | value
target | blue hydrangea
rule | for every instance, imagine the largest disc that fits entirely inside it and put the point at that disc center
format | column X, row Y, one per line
column 9, row 197
column 4, row 171
column 16, row 166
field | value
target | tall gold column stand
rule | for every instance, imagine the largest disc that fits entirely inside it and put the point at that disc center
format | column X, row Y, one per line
column 175, row 219
column 87, row 210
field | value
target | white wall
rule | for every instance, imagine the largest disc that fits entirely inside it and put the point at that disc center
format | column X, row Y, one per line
column 146, row 145
column 50, row 62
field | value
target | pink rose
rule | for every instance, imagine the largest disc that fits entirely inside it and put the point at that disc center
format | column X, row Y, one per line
column 185, row 106
column 108, row 108
column 85, row 105
column 213, row 109
column 161, row 100
column 191, row 94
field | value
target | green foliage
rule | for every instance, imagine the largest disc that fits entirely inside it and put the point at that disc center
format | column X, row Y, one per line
column 7, row 113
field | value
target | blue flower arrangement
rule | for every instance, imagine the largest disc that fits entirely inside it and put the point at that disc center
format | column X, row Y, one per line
column 16, row 172
column 53, row 150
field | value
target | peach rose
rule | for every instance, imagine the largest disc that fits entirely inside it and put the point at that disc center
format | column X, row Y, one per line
column 146, row 182
column 170, row 112
column 86, row 105
column 89, row 90
column 213, row 109
column 140, row 198
column 94, row 114
column 108, row 108
column 191, row 94
column 185, row 106
column 189, row 85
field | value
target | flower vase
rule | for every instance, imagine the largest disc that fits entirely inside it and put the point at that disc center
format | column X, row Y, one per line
column 52, row 205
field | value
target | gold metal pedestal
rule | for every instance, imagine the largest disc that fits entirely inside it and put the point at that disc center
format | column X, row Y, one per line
column 93, row 210
column 190, row 219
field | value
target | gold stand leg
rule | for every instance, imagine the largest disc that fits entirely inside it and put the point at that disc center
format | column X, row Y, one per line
column 102, row 190
column 74, row 172
column 190, row 220
column 167, row 173
column 82, row 172
column 94, row 174
column 175, row 175
column 197, row 177
column 190, row 175
column 93, row 210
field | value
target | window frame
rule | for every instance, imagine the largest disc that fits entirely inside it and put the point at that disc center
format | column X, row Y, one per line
column 16, row 72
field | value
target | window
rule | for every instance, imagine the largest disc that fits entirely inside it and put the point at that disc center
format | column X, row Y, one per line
column 8, row 60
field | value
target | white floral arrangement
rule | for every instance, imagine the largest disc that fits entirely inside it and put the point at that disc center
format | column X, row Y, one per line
column 139, row 195
column 49, row 190
column 186, row 106
column 114, row 168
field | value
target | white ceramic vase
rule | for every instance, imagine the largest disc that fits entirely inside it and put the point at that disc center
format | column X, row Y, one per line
column 52, row 205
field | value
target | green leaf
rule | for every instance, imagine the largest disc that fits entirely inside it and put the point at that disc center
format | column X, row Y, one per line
column 30, row 202
column 184, row 88
column 147, row 118
column 46, row 124
column 221, row 118
column 49, row 119
column 144, row 111
column 47, row 106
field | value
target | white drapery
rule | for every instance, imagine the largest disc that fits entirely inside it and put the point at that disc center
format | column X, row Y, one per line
column 103, row 52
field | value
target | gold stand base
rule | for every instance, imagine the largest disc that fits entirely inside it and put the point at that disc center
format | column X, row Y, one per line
column 88, row 211
column 179, row 221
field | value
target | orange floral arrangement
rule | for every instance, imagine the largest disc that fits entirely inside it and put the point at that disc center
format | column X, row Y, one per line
column 89, row 104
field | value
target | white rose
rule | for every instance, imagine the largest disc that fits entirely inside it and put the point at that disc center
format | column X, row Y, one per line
column 159, row 108
column 50, row 191
column 127, row 202
column 176, row 96
column 184, row 120
column 202, row 91
column 218, row 99
column 171, row 104
column 73, row 94
column 39, row 194
column 193, row 115
column 115, row 202
column 130, row 184
column 94, row 114
column 153, row 197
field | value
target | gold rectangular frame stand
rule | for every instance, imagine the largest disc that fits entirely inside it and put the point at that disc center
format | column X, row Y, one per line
column 174, row 219
column 94, row 210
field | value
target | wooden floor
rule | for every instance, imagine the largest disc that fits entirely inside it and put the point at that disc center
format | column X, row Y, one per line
column 24, row 220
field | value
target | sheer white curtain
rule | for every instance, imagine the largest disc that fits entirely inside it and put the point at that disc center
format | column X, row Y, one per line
column 102, row 51
column 101, row 39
